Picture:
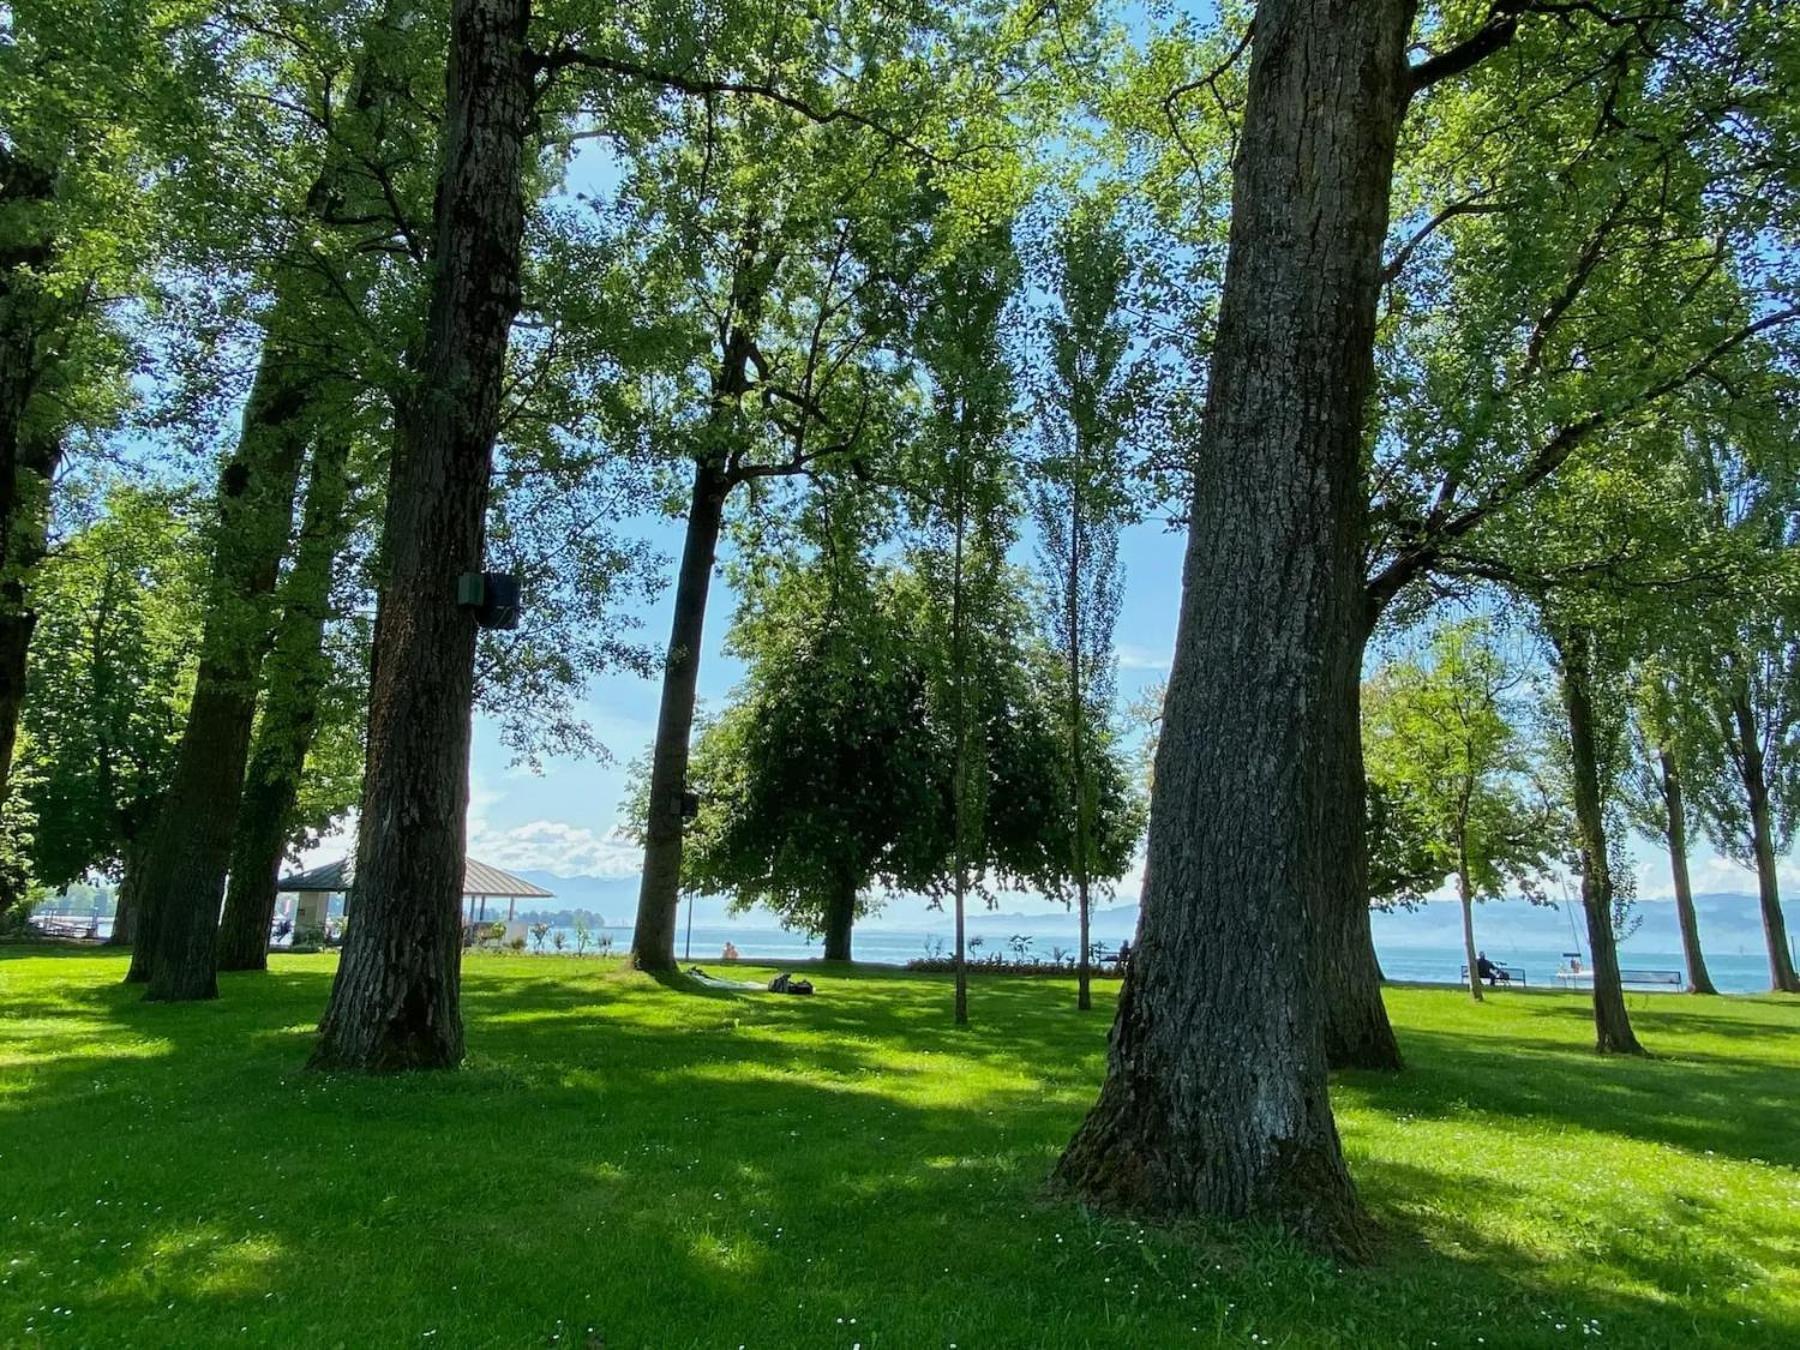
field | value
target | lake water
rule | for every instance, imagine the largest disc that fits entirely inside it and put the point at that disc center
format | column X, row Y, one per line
column 1735, row 973
column 1739, row 974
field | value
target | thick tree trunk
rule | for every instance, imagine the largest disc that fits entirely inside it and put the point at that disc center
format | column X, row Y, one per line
column 184, row 873
column 840, row 919
column 297, row 672
column 17, row 622
column 659, row 893
column 1215, row 1096
column 1762, row 838
column 1358, row 1034
column 1675, row 832
column 29, row 448
column 24, row 537
column 1612, row 1024
column 395, row 1003
column 1465, row 893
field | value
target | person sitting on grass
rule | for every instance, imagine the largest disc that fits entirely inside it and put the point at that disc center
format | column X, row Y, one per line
column 1486, row 969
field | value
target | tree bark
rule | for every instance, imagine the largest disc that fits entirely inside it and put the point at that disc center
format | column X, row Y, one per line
column 959, row 805
column 24, row 539
column 840, row 919
column 659, row 893
column 1465, row 893
column 1215, row 1096
column 1762, row 838
column 1358, row 1034
column 1675, row 833
column 395, row 1002
column 30, row 449
column 1612, row 1024
column 297, row 673
column 140, row 924
column 190, row 850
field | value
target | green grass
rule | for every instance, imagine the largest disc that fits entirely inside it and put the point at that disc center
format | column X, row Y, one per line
column 671, row 1168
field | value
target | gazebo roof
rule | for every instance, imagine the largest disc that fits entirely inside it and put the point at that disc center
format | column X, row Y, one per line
column 478, row 879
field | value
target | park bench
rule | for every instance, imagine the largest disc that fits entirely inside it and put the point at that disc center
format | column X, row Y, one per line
column 1502, row 975
column 1674, row 977
column 64, row 925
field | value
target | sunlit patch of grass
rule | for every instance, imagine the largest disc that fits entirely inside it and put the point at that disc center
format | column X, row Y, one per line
column 669, row 1166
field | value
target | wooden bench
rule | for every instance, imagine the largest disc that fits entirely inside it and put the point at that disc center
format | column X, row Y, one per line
column 1502, row 975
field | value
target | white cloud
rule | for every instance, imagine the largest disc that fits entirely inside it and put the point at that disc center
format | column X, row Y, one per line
column 1132, row 656
column 555, row 846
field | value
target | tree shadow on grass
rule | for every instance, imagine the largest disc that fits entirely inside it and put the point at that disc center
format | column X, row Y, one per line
column 1739, row 1107
column 700, row 1171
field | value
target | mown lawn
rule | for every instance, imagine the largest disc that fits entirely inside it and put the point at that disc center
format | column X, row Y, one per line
column 626, row 1165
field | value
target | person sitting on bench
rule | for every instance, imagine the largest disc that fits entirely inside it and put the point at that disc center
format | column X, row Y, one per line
column 1486, row 969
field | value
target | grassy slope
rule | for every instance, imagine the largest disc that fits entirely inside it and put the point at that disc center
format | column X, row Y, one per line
column 674, row 1168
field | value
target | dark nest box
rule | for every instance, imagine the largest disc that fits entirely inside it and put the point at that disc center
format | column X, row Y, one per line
column 494, row 596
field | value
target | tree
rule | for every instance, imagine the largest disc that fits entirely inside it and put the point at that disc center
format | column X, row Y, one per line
column 113, row 658
column 1574, row 259
column 830, row 772
column 1664, row 752
column 964, row 477
column 1443, row 736
column 783, row 254
column 1089, row 392
column 296, row 394
column 78, row 84
column 394, row 1003
column 1587, row 678
column 1749, row 801
column 1260, row 734
column 299, row 668
column 813, row 780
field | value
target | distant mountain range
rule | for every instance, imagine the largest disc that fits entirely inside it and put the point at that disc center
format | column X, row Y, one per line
column 1730, row 922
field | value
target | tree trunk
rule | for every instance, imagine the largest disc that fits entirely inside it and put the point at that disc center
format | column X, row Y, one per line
column 138, row 924
column 1465, row 893
column 1768, row 888
column 24, row 538
column 840, row 918
column 190, row 850
column 395, row 1001
column 1358, row 1034
column 1215, row 1096
column 297, row 673
column 1084, row 996
column 659, row 894
column 1612, row 1024
column 29, row 451
column 1699, row 981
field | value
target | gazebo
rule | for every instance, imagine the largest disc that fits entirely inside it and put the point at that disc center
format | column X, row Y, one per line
column 314, row 888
